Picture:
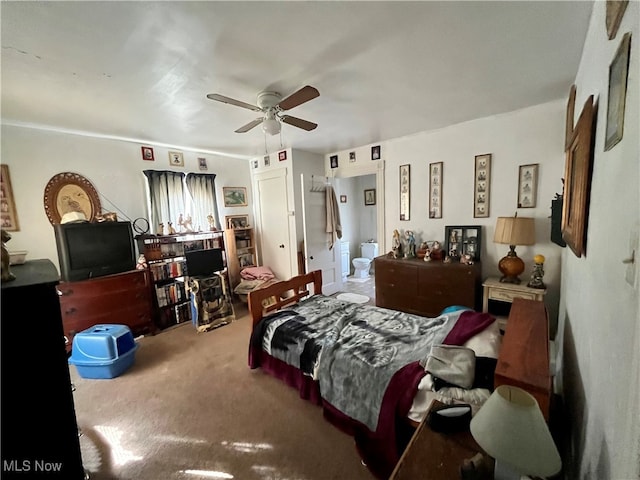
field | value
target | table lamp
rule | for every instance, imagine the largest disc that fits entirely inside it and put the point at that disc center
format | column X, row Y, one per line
column 511, row 428
column 513, row 231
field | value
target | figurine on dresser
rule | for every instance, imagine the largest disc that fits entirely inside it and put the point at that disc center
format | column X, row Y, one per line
column 396, row 245
column 411, row 244
column 7, row 276
column 537, row 273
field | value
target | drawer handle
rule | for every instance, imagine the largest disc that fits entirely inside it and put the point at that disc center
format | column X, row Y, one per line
column 71, row 310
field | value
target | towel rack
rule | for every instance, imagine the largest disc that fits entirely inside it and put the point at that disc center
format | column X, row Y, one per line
column 318, row 187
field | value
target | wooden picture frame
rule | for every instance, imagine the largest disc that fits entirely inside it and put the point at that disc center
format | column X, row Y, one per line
column 176, row 159
column 482, row 186
column 68, row 191
column 8, row 213
column 369, row 196
column 202, row 164
column 236, row 221
column 435, row 189
column 147, row 154
column 618, row 74
column 234, row 196
column 333, row 159
column 571, row 107
column 578, row 168
column 282, row 156
column 615, row 12
column 463, row 239
column 528, row 186
column 375, row 152
column 405, row 192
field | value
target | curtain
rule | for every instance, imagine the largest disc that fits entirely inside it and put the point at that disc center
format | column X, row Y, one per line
column 202, row 188
column 166, row 192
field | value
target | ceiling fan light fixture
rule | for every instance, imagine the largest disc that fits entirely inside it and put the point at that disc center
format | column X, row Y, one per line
column 271, row 125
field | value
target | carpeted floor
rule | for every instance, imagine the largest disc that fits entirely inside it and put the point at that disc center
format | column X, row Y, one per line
column 190, row 408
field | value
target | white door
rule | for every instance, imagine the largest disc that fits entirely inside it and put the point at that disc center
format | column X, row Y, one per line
column 273, row 216
column 317, row 254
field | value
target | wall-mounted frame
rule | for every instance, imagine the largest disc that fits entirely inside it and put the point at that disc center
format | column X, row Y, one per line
column 618, row 73
column 482, row 186
column 577, row 174
column 8, row 213
column 202, row 163
column 369, row 196
column 571, row 107
column 147, row 154
column 435, row 189
column 267, row 160
column 375, row 152
column 405, row 192
column 615, row 12
column 333, row 159
column 70, row 192
column 343, row 198
column 352, row 157
column 255, row 164
column 236, row 221
column 462, row 240
column 282, row 156
column 176, row 159
column 234, row 196
column 528, row 185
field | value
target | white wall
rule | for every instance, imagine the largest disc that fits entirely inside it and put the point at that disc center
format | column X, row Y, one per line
column 532, row 135
column 599, row 312
column 114, row 168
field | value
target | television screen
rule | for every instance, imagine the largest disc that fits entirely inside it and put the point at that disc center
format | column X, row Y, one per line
column 89, row 250
column 204, row 263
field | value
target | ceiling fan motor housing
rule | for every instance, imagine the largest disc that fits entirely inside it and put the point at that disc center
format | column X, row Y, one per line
column 268, row 100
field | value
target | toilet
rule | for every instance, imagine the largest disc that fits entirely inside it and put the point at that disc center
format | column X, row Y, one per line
column 368, row 251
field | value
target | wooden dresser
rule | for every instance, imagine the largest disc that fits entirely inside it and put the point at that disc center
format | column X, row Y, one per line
column 123, row 298
column 524, row 356
column 426, row 288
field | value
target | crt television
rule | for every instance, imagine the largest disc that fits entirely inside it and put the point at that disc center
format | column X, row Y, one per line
column 88, row 250
column 204, row 263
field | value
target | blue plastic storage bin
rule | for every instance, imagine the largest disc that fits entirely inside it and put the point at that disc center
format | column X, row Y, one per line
column 103, row 351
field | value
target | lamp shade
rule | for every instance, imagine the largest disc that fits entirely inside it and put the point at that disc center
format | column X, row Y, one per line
column 511, row 428
column 515, row 231
column 270, row 124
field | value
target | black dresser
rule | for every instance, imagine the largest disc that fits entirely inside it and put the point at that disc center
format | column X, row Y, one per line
column 39, row 429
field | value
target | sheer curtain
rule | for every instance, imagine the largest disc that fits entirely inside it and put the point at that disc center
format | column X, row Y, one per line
column 202, row 188
column 166, row 192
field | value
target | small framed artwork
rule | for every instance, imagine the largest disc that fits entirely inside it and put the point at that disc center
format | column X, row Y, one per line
column 234, row 196
column 334, row 161
column 618, row 73
column 482, row 188
column 369, row 196
column 343, row 198
column 236, row 221
column 267, row 160
column 463, row 240
column 435, row 189
column 255, row 164
column 147, row 154
column 577, row 175
column 375, row 152
column 176, row 159
column 8, row 213
column 282, row 156
column 528, row 186
column 615, row 12
column 352, row 157
column 202, row 163
column 405, row 191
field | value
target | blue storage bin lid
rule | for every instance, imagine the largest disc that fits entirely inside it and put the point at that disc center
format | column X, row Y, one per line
column 101, row 344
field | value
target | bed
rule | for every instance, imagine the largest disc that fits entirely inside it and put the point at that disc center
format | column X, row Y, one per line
column 366, row 365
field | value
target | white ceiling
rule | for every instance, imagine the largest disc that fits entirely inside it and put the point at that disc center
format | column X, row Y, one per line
column 142, row 70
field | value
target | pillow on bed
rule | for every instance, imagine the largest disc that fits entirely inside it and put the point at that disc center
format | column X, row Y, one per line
column 487, row 342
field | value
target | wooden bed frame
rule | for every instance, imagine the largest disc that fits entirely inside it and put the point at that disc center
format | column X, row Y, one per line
column 524, row 354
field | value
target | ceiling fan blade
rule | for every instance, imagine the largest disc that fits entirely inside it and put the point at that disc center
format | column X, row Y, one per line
column 298, row 122
column 250, row 125
column 303, row 95
column 231, row 101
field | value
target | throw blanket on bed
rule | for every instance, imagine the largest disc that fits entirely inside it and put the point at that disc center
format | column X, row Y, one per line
column 355, row 370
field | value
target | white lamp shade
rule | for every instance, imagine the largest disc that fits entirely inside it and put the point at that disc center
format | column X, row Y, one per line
column 511, row 428
column 515, row 231
column 270, row 124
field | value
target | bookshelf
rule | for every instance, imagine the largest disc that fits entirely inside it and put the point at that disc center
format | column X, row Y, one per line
column 241, row 252
column 169, row 276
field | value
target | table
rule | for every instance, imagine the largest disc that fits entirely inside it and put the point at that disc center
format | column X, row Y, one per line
column 495, row 290
column 433, row 455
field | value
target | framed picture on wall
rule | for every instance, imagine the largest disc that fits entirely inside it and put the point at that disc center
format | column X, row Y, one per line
column 618, row 73
column 334, row 161
column 237, row 221
column 463, row 240
column 369, row 196
column 8, row 213
column 482, row 188
column 176, row 159
column 435, row 189
column 234, row 196
column 405, row 192
column 527, row 186
column 147, row 154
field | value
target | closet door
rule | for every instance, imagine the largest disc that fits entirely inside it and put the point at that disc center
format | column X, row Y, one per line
column 275, row 232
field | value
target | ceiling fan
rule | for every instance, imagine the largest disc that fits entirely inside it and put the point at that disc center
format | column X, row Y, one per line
column 271, row 104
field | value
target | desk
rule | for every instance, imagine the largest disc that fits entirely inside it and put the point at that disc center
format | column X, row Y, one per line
column 433, row 455
column 493, row 289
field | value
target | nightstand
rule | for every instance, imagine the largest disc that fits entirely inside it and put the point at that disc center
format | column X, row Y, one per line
column 493, row 289
column 433, row 455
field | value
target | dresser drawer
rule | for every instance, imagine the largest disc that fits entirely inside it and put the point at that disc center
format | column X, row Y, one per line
column 508, row 296
column 83, row 304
